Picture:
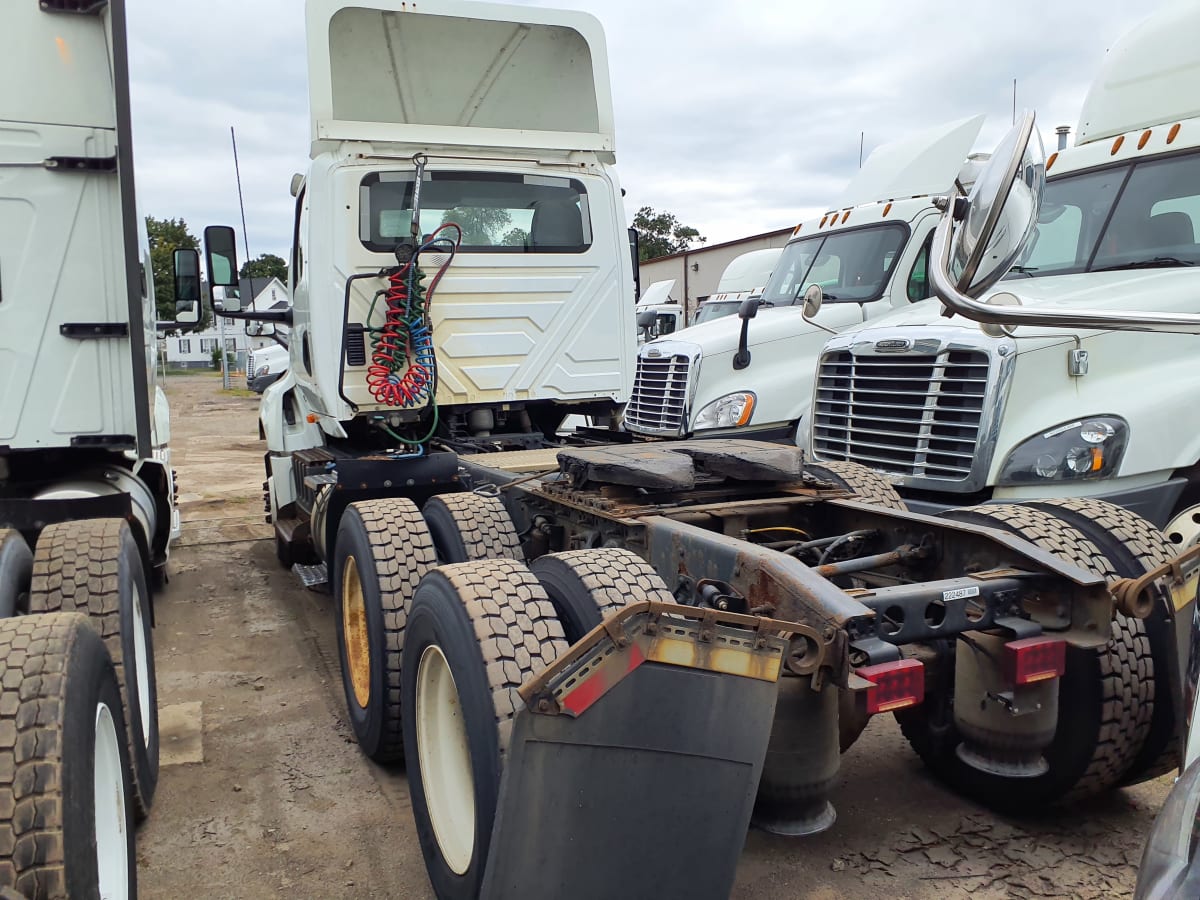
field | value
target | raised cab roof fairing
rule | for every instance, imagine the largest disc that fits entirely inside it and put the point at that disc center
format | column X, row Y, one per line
column 1151, row 76
column 923, row 164
column 659, row 292
column 448, row 72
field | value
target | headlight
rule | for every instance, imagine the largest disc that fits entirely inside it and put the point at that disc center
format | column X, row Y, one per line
column 262, row 370
column 1086, row 448
column 730, row 411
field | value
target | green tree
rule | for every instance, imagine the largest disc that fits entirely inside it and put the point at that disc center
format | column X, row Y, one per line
column 480, row 225
column 515, row 237
column 268, row 265
column 167, row 236
column 661, row 234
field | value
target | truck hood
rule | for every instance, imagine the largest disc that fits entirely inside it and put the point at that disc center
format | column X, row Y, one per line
column 771, row 324
column 457, row 73
column 1153, row 290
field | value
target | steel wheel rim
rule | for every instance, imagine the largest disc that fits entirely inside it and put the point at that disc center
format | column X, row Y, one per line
column 141, row 659
column 108, row 783
column 354, row 634
column 1184, row 530
column 445, row 760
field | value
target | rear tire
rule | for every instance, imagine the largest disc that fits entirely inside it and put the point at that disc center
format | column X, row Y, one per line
column 586, row 586
column 1106, row 696
column 476, row 632
column 382, row 550
column 869, row 485
column 467, row 526
column 94, row 567
column 66, row 816
column 1134, row 546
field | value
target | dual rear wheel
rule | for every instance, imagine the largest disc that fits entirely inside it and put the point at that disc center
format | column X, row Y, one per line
column 440, row 625
column 78, row 712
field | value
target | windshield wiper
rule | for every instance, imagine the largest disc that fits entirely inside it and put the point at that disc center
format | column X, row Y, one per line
column 1024, row 270
column 1159, row 262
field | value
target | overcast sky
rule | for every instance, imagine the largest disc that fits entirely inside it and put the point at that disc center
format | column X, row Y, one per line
column 738, row 118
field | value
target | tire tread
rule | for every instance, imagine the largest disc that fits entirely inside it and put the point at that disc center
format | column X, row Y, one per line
column 1126, row 666
column 34, row 655
column 486, row 529
column 869, row 485
column 402, row 552
column 76, row 568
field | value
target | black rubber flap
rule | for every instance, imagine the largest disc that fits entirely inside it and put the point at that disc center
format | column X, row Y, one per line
column 647, row 794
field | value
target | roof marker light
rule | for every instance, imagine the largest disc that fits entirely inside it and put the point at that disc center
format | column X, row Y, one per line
column 1173, row 132
column 1145, row 137
column 1117, row 145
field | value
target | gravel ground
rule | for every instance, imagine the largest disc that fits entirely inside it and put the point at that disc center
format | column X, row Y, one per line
column 263, row 792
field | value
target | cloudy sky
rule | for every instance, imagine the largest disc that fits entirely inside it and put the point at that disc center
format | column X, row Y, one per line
column 737, row 117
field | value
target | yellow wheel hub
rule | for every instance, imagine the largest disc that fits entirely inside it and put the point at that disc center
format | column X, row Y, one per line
column 354, row 633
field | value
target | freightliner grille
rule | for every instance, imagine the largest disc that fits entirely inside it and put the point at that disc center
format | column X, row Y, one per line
column 916, row 415
column 658, row 404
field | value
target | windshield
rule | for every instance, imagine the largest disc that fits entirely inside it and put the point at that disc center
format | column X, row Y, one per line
column 498, row 213
column 850, row 266
column 716, row 309
column 1137, row 215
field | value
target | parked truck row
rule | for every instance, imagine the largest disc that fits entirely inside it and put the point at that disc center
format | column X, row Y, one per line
column 540, row 626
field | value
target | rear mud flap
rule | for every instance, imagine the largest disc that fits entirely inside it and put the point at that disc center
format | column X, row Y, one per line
column 634, row 774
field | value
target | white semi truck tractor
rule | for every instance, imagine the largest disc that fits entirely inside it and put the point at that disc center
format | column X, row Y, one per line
column 1059, row 401
column 868, row 254
column 87, row 495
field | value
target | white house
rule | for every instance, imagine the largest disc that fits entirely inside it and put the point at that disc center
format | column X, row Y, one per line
column 194, row 350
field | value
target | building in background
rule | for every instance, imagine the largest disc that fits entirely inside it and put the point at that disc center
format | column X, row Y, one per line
column 696, row 272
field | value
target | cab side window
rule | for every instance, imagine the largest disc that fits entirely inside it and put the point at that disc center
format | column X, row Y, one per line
column 918, row 278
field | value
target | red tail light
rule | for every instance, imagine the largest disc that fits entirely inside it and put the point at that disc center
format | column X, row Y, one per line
column 895, row 685
column 1034, row 659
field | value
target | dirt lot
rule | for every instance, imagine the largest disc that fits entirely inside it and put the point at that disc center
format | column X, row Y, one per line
column 264, row 794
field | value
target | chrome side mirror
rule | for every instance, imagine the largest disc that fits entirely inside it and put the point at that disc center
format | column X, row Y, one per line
column 978, row 240
column 1001, row 213
column 813, row 298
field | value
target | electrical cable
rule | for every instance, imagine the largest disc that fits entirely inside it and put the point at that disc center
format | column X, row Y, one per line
column 403, row 364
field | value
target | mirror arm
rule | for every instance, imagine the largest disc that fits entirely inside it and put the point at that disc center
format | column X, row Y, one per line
column 1106, row 320
column 817, row 324
column 741, row 359
column 284, row 316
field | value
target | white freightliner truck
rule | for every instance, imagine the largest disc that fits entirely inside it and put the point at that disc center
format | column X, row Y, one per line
column 87, row 494
column 742, row 378
column 541, row 628
column 954, row 416
column 1076, row 390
